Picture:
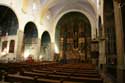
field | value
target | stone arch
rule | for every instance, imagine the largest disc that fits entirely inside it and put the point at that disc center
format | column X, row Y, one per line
column 91, row 19
column 72, row 27
column 9, row 26
column 45, row 47
column 30, row 30
column 9, row 22
column 30, row 40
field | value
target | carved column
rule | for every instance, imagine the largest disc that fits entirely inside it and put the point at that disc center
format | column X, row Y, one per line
column 119, row 40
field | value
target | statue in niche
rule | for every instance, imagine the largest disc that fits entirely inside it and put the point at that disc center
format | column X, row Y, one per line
column 46, row 52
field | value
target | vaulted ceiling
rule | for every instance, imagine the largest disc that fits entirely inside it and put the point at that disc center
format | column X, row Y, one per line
column 56, row 6
column 55, row 9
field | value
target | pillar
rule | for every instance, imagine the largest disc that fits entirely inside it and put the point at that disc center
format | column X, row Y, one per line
column 119, row 42
column 102, row 55
column 52, row 46
column 19, row 46
column 35, row 49
column 38, row 49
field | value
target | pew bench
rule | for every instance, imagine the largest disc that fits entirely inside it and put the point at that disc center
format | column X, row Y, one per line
column 47, row 76
column 86, row 79
column 17, row 78
column 26, row 79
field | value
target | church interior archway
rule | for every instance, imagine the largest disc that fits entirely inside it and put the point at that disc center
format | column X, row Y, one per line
column 8, row 30
column 45, row 47
column 30, row 40
column 72, row 37
column 8, row 21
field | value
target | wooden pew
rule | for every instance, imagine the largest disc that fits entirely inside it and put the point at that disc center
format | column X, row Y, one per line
column 21, row 79
column 80, row 74
column 86, row 75
column 86, row 79
column 66, row 73
column 42, row 75
column 71, row 82
column 42, row 71
column 33, row 74
column 42, row 80
column 26, row 79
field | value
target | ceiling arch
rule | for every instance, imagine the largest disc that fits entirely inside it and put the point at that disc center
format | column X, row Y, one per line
column 51, row 3
column 56, row 5
column 9, row 22
column 58, row 8
column 92, row 22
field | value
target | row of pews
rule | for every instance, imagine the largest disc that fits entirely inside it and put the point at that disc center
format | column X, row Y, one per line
column 50, row 73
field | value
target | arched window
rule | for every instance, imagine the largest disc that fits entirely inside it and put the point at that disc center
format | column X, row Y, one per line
column 11, row 47
column 45, row 46
column 4, row 45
